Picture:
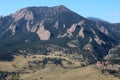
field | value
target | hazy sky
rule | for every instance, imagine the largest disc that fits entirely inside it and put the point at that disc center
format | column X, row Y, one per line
column 105, row 9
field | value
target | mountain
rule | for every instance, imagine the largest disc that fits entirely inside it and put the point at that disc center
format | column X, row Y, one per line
column 57, row 41
column 97, row 19
column 46, row 29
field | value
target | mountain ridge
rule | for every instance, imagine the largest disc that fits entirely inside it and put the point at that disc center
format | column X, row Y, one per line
column 34, row 27
column 97, row 19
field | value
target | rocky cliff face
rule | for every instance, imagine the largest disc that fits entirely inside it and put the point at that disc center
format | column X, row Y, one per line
column 36, row 26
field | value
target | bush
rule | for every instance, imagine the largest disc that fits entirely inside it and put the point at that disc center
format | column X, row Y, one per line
column 56, row 61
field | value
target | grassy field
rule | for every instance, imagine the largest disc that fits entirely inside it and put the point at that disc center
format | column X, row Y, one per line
column 57, row 73
column 51, row 71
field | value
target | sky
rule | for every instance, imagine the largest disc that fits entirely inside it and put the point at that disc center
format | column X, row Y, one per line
column 108, row 10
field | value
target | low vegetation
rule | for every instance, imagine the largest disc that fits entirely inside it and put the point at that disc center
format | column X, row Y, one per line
column 55, row 66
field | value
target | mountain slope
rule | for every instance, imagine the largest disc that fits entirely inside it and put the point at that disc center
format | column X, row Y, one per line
column 47, row 29
column 97, row 19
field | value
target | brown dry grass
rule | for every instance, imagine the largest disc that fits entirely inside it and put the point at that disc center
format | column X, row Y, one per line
column 54, row 72
column 57, row 73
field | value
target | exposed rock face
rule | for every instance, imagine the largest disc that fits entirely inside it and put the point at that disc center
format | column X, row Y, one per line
column 81, row 23
column 37, row 20
column 88, row 47
column 71, row 30
column 28, row 26
column 103, row 30
column 13, row 29
column 71, row 45
column 81, row 34
column 19, row 14
column 97, row 39
column 62, row 36
column 100, row 42
column 56, row 26
column 42, row 32
column 28, row 15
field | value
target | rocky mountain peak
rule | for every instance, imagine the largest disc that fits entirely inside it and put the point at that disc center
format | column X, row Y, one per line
column 57, row 26
column 30, row 13
column 23, row 13
column 61, row 8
